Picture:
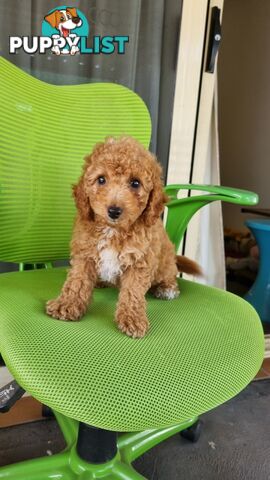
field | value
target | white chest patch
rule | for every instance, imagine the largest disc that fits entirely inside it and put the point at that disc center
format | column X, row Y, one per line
column 109, row 265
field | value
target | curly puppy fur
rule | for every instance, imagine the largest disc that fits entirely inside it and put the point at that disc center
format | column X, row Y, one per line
column 131, row 251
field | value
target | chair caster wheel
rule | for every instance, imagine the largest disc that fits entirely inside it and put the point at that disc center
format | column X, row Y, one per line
column 47, row 412
column 192, row 433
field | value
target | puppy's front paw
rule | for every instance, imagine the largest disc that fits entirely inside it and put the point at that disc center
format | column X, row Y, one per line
column 135, row 327
column 65, row 309
column 74, row 49
column 56, row 50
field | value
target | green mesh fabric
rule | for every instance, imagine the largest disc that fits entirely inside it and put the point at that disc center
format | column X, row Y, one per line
column 201, row 350
column 46, row 131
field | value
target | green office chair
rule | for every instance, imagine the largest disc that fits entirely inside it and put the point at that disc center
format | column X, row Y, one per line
column 203, row 347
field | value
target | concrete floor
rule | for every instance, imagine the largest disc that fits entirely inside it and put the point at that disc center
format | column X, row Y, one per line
column 234, row 445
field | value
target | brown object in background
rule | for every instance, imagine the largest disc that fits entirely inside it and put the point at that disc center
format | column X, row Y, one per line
column 264, row 371
column 26, row 410
column 265, row 212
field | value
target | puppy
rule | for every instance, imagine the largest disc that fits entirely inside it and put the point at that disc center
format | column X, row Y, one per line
column 64, row 21
column 119, row 237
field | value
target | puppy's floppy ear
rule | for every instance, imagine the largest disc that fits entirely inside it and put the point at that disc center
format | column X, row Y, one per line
column 157, row 198
column 82, row 201
column 51, row 18
column 72, row 11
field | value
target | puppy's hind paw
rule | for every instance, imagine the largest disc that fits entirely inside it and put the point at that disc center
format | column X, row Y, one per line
column 166, row 293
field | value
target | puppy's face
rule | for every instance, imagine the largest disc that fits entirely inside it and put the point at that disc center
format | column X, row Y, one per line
column 116, row 195
column 121, row 183
column 64, row 20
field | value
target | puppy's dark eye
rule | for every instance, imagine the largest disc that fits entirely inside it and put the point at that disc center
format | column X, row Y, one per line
column 135, row 183
column 62, row 19
column 101, row 180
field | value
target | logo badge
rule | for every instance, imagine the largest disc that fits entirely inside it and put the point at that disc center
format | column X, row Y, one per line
column 66, row 26
column 65, row 31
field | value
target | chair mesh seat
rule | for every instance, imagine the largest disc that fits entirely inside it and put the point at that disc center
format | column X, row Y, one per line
column 201, row 350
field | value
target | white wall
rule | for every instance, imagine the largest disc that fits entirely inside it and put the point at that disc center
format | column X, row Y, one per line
column 244, row 102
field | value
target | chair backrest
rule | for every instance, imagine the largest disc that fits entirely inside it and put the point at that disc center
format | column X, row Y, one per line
column 45, row 132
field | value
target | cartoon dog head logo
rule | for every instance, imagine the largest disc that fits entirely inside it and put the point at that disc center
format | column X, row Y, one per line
column 67, row 23
column 64, row 20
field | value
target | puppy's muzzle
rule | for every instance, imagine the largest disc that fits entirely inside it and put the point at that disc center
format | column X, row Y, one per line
column 114, row 212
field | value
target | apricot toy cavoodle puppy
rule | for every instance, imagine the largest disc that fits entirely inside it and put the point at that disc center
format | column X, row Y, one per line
column 119, row 237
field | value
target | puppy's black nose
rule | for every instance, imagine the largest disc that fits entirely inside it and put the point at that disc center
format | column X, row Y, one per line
column 76, row 19
column 114, row 212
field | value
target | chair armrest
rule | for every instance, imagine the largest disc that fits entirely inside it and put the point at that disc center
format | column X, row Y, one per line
column 181, row 210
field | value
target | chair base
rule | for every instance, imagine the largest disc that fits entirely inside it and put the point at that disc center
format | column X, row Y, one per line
column 68, row 465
